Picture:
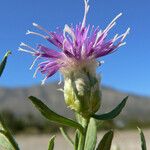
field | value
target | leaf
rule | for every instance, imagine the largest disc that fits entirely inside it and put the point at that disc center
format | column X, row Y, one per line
column 66, row 136
column 105, row 143
column 7, row 142
column 143, row 142
column 76, row 140
column 4, row 142
column 91, row 135
column 52, row 116
column 3, row 63
column 115, row 112
column 51, row 143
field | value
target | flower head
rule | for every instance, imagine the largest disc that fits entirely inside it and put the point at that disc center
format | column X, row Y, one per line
column 80, row 47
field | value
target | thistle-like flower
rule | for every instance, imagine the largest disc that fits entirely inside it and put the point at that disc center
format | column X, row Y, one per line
column 80, row 47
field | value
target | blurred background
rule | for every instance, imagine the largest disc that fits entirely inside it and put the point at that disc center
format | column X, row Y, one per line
column 125, row 72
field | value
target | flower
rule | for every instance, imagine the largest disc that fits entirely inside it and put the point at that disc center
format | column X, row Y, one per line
column 77, row 61
column 80, row 47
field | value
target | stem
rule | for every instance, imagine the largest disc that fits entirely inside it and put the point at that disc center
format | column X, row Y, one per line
column 66, row 136
column 81, row 142
column 84, row 122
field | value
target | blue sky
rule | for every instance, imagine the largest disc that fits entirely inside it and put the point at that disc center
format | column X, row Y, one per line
column 126, row 70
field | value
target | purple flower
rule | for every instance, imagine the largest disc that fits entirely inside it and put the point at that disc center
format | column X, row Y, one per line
column 80, row 47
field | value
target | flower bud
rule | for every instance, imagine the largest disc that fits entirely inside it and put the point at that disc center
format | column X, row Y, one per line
column 82, row 92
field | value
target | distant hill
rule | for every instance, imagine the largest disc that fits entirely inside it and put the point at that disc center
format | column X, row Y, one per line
column 16, row 101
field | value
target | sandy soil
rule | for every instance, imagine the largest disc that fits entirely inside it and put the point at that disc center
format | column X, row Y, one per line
column 126, row 140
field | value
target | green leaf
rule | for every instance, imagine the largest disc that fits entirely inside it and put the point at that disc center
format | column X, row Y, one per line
column 3, row 63
column 51, row 143
column 91, row 135
column 7, row 142
column 76, row 140
column 115, row 112
column 105, row 143
column 66, row 136
column 143, row 142
column 52, row 116
column 4, row 142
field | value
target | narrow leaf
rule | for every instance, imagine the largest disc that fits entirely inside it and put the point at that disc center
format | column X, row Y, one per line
column 51, row 143
column 3, row 63
column 52, row 116
column 143, row 142
column 66, row 136
column 91, row 135
column 7, row 141
column 115, row 112
column 105, row 143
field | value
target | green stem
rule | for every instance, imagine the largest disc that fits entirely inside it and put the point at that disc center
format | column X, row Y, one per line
column 66, row 136
column 81, row 141
column 84, row 122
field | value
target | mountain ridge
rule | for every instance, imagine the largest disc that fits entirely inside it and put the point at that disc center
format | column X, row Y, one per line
column 16, row 101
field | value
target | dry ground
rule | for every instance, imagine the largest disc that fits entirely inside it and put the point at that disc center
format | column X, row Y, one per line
column 126, row 140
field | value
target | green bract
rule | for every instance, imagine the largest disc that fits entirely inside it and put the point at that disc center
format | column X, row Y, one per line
column 82, row 92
